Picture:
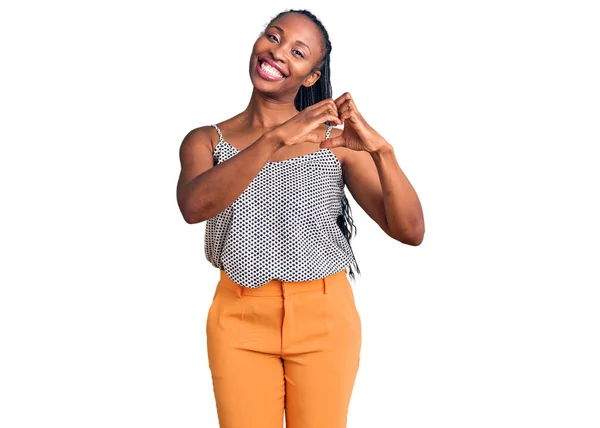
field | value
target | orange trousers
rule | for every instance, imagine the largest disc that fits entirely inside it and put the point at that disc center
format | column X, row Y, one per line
column 292, row 346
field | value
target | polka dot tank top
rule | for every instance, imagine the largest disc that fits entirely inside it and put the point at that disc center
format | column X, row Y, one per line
column 283, row 226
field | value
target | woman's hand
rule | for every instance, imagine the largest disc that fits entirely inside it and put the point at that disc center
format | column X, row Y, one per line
column 302, row 127
column 357, row 133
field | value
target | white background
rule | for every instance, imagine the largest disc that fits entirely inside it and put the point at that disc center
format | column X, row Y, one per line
column 493, row 110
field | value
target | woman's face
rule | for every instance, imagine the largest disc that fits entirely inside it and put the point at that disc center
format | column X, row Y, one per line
column 285, row 55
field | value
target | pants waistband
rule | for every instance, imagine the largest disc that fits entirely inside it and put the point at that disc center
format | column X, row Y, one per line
column 276, row 287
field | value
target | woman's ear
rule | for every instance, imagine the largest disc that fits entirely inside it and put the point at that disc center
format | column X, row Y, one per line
column 311, row 79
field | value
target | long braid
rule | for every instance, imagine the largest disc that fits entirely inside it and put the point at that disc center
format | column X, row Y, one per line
column 320, row 91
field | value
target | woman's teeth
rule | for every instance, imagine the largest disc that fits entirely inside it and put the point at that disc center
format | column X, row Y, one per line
column 271, row 71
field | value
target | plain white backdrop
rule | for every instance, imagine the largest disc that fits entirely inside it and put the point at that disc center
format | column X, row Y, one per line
column 493, row 111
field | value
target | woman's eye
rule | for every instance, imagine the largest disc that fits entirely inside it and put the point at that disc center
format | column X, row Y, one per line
column 299, row 53
column 271, row 35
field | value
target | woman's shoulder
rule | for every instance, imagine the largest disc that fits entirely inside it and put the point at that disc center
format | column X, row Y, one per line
column 228, row 126
column 205, row 135
column 208, row 134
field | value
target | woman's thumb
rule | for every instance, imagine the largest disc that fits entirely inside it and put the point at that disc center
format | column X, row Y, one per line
column 332, row 142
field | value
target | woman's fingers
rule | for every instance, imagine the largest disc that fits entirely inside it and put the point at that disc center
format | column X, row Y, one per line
column 325, row 115
column 346, row 114
column 302, row 126
column 316, row 137
column 325, row 102
column 334, row 106
column 348, row 110
column 328, row 117
column 347, row 104
column 342, row 99
column 327, row 106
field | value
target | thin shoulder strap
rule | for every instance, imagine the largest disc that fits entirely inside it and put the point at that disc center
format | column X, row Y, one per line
column 328, row 132
column 219, row 132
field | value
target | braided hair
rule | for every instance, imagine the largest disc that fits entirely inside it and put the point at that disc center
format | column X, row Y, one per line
column 318, row 92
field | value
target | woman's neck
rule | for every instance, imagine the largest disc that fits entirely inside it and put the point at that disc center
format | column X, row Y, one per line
column 267, row 113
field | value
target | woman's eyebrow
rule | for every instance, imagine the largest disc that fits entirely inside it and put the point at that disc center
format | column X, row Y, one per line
column 299, row 41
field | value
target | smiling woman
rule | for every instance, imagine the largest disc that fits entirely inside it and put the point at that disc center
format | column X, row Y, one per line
column 269, row 68
column 307, row 63
column 283, row 330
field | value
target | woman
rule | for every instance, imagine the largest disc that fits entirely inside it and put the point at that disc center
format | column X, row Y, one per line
column 283, row 332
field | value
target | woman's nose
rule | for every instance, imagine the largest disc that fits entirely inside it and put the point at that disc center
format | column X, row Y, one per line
column 277, row 53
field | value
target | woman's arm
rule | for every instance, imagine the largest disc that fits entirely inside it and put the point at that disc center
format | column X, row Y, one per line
column 374, row 177
column 204, row 190
column 379, row 186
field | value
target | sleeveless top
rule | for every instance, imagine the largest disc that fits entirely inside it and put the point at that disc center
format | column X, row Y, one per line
column 283, row 226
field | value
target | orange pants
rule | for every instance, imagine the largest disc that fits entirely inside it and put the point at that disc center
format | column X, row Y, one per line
column 284, row 345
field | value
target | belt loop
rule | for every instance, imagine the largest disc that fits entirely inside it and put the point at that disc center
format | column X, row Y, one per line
column 324, row 286
column 240, row 291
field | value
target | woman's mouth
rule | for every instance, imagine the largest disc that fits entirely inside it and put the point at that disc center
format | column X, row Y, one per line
column 268, row 72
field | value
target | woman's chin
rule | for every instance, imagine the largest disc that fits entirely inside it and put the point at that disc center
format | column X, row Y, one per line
column 263, row 85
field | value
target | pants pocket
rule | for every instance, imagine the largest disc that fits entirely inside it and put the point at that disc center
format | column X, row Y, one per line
column 344, row 311
column 211, row 309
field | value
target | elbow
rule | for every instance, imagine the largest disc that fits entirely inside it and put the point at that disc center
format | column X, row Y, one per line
column 412, row 236
column 417, row 235
column 193, row 209
column 414, row 239
column 189, row 219
column 191, row 215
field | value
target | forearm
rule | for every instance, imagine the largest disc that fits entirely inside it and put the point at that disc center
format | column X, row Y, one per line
column 403, row 209
column 215, row 189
